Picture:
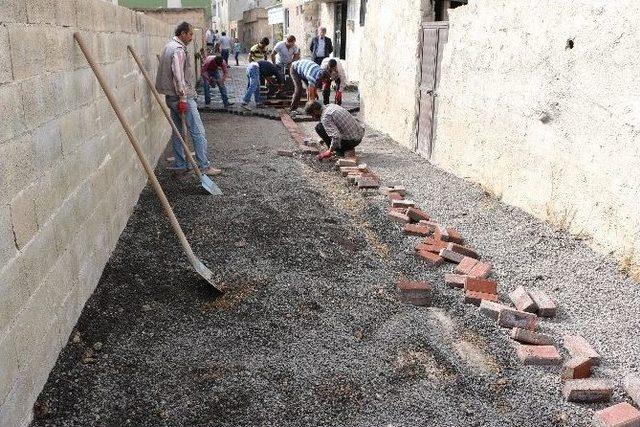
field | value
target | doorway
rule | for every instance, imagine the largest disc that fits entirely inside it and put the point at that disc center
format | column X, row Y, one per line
column 340, row 33
column 434, row 37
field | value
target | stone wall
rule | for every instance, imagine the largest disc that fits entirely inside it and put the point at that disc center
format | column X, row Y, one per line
column 540, row 106
column 195, row 16
column 68, row 175
column 389, row 58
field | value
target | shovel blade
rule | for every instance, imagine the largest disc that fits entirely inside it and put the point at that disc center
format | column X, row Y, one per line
column 210, row 186
column 206, row 274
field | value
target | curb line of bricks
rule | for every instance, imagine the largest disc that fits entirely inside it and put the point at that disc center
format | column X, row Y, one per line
column 266, row 114
column 442, row 244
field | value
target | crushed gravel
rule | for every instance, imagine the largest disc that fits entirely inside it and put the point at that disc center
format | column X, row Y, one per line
column 311, row 331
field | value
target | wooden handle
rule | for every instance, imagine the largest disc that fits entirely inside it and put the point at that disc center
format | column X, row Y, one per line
column 136, row 146
column 166, row 112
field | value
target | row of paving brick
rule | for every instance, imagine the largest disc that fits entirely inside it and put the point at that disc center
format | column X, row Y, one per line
column 442, row 244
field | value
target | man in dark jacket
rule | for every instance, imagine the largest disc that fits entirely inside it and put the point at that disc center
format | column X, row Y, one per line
column 321, row 46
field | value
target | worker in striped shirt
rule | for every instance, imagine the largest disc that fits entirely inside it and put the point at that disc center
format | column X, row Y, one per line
column 309, row 72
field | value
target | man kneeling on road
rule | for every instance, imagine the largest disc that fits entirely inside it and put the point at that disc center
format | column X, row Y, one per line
column 172, row 80
column 339, row 130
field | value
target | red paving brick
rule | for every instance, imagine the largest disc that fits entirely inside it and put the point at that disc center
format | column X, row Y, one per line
column 510, row 318
column 415, row 292
column 576, row 368
column 415, row 230
column 465, row 266
column 521, row 299
column 463, row 250
column 529, row 337
column 431, row 258
column 621, row 415
column 480, row 285
column 578, row 346
column 476, row 298
column 454, row 280
column 587, row 390
column 398, row 216
column 451, row 256
column 538, row 355
column 481, row 269
column 417, row 215
column 546, row 306
column 491, row 309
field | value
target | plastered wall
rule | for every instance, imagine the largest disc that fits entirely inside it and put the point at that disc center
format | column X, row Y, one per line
column 68, row 175
column 541, row 106
column 389, row 60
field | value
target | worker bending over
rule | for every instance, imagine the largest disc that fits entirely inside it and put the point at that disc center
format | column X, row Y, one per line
column 309, row 72
column 336, row 74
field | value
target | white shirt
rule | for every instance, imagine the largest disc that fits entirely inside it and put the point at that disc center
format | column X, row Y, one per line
column 320, row 47
column 209, row 36
column 225, row 43
column 336, row 73
column 284, row 54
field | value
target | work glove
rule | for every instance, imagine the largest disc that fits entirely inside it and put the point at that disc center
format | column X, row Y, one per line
column 324, row 155
column 338, row 97
column 313, row 93
column 326, row 86
column 183, row 107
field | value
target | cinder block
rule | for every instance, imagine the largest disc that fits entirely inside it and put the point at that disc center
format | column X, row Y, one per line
column 576, row 368
column 540, row 355
column 578, row 346
column 6, row 72
column 13, row 122
column 17, row 166
column 510, row 318
column 631, row 384
column 620, row 415
column 59, row 50
column 41, row 11
column 529, row 337
column 86, row 14
column 546, row 306
column 521, row 299
column 25, row 41
column 66, row 13
column 8, row 366
column 47, row 147
column 40, row 100
column 587, row 390
column 23, row 216
column 7, row 244
column 16, row 409
column 13, row 292
column 13, row 11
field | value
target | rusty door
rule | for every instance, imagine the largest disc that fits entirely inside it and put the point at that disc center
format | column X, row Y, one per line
column 434, row 36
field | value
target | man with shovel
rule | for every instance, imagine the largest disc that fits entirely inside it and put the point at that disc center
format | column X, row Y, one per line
column 173, row 81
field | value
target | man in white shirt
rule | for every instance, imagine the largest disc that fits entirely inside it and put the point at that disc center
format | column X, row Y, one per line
column 225, row 46
column 337, row 74
column 285, row 52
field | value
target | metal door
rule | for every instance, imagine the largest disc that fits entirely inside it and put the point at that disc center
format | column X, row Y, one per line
column 340, row 33
column 434, row 36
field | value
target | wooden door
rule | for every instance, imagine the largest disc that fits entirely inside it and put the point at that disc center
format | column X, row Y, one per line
column 434, row 36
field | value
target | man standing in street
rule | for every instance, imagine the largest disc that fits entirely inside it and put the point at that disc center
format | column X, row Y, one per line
column 258, row 51
column 214, row 72
column 309, row 72
column 339, row 130
column 255, row 71
column 285, row 52
column 321, row 46
column 173, row 81
column 237, row 47
column 336, row 74
column 225, row 46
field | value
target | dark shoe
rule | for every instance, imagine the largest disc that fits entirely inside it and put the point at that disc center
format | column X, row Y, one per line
column 229, row 104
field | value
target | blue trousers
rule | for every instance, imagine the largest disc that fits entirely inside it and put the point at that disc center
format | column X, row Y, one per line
column 196, row 134
column 253, row 85
column 217, row 75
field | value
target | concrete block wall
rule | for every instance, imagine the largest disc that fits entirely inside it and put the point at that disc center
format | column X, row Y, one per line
column 68, row 175
column 540, row 106
column 389, row 58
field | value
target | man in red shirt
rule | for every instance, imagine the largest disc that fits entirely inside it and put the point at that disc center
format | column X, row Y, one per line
column 214, row 72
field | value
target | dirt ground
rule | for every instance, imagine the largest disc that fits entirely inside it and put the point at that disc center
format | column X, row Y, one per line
column 311, row 332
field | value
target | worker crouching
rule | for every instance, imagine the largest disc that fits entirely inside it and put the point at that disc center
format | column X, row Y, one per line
column 339, row 130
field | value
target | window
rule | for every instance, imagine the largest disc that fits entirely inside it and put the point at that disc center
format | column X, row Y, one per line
column 286, row 21
column 363, row 11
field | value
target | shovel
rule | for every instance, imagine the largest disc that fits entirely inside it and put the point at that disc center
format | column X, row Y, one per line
column 206, row 182
column 202, row 270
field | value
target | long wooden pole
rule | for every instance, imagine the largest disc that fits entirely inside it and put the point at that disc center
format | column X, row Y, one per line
column 165, row 110
column 195, row 262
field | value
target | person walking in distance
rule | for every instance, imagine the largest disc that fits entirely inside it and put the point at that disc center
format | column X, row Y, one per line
column 172, row 80
column 321, row 46
column 225, row 46
column 236, row 51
